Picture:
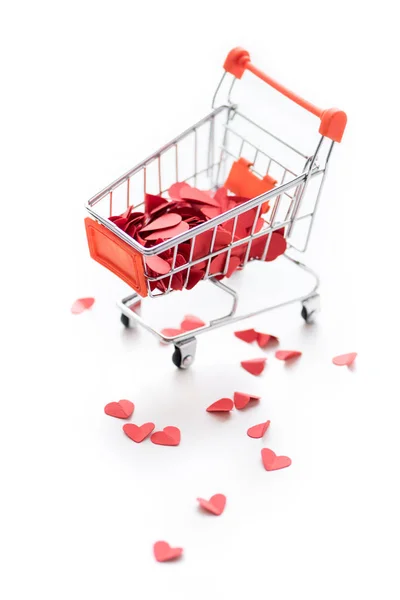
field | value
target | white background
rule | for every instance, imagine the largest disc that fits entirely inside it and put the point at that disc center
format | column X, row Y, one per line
column 88, row 89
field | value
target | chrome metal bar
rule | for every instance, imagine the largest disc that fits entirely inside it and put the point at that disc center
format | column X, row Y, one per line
column 203, row 226
column 278, row 139
column 150, row 158
column 227, row 319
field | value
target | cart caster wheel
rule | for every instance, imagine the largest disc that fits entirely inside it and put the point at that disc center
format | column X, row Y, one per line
column 184, row 353
column 126, row 321
column 311, row 308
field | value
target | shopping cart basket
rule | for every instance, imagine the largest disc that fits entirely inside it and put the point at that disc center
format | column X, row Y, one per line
column 225, row 148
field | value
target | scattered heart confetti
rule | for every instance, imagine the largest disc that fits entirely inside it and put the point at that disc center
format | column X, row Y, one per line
column 191, row 322
column 138, row 433
column 121, row 409
column 222, row 405
column 287, row 354
column 257, row 431
column 170, row 436
column 272, row 462
column 163, row 552
column 241, row 400
column 82, row 304
column 344, row 360
column 263, row 339
column 215, row 505
column 247, row 335
column 255, row 366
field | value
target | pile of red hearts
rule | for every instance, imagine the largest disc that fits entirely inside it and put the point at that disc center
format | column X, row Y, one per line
column 188, row 207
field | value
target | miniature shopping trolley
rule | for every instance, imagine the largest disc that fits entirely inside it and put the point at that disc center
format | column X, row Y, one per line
column 224, row 149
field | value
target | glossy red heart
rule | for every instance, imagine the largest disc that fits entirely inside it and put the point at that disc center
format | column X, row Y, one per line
column 254, row 366
column 191, row 322
column 247, row 335
column 138, row 433
column 163, row 552
column 344, row 360
column 257, row 431
column 195, row 195
column 169, row 436
column 215, row 505
column 176, row 188
column 81, row 305
column 272, row 462
column 222, row 405
column 121, row 409
column 287, row 354
column 241, row 400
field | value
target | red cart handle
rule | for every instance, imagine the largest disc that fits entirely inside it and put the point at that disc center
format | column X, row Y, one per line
column 333, row 120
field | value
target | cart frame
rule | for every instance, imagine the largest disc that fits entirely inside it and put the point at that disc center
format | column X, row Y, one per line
column 291, row 188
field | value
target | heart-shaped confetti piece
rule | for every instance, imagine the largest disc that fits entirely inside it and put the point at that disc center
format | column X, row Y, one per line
column 121, row 409
column 82, row 304
column 163, row 552
column 191, row 322
column 272, row 462
column 255, row 366
column 138, row 433
column 166, row 234
column 169, row 436
column 241, row 400
column 171, row 331
column 287, row 354
column 222, row 405
column 247, row 335
column 165, row 222
column 257, row 431
column 158, row 264
column 215, row 505
column 344, row 360
column 263, row 339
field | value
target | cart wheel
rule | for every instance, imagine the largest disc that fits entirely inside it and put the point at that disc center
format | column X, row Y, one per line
column 184, row 353
column 310, row 308
column 126, row 321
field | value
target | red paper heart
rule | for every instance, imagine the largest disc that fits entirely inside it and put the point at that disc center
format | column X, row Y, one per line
column 169, row 436
column 263, row 339
column 272, row 462
column 81, row 304
column 195, row 195
column 222, row 405
column 241, row 400
column 166, row 234
column 287, row 354
column 254, row 366
column 175, row 189
column 247, row 335
column 257, row 431
column 158, row 264
column 215, row 505
column 152, row 203
column 121, row 409
column 171, row 331
column 138, row 433
column 191, row 322
column 344, row 360
column 165, row 222
column 163, row 552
